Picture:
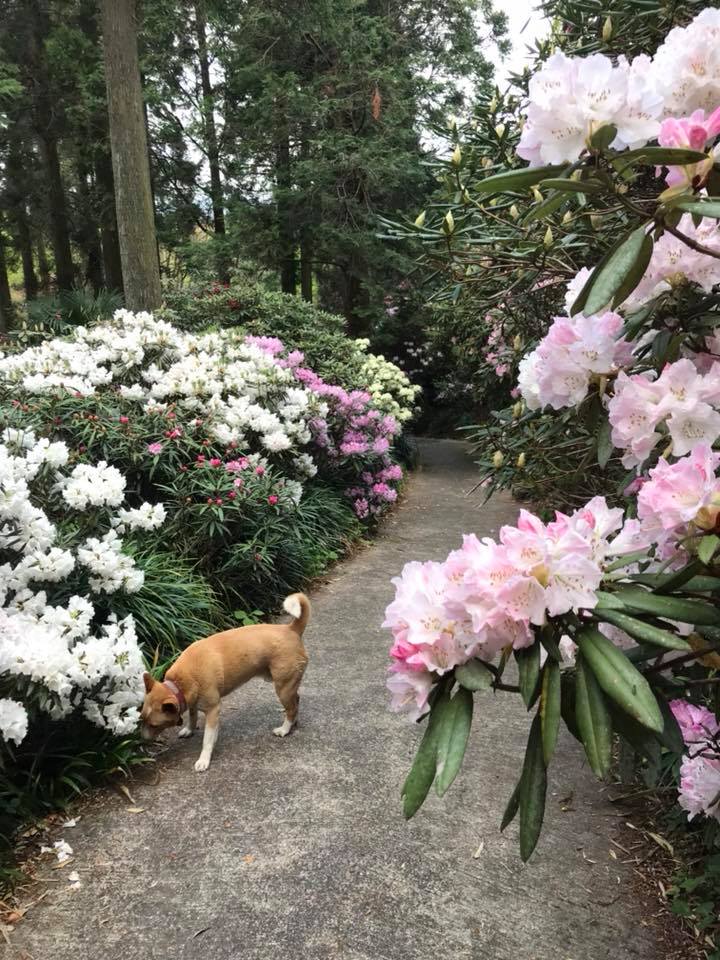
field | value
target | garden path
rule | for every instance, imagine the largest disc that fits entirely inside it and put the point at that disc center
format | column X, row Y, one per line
column 297, row 848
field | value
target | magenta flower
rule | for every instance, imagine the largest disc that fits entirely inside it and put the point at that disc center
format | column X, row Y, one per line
column 260, row 471
column 154, row 448
column 272, row 499
column 215, row 461
column 124, row 419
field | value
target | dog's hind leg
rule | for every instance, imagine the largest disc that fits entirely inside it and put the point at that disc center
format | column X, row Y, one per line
column 287, row 692
column 210, row 734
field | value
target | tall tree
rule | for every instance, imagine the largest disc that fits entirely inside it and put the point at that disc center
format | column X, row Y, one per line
column 7, row 314
column 131, row 169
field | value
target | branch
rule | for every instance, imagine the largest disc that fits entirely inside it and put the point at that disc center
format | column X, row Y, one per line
column 693, row 244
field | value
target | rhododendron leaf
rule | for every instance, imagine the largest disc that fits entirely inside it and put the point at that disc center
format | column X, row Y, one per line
column 670, row 608
column 604, row 444
column 663, row 156
column 593, row 719
column 620, row 680
column 693, row 585
column 671, row 736
column 422, row 773
column 680, row 577
column 533, row 787
column 572, row 186
column 644, row 631
column 703, row 208
column 512, row 807
column 474, row 675
column 708, row 547
column 541, row 210
column 516, row 180
column 528, row 661
column 642, row 741
column 454, row 731
column 550, row 707
column 618, row 273
column 634, row 274
column 568, row 692
column 603, row 137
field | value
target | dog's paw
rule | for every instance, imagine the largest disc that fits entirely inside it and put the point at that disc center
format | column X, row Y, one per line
column 284, row 730
column 201, row 764
column 185, row 732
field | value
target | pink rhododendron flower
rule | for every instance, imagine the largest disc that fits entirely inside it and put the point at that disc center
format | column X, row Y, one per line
column 676, row 494
column 696, row 723
column 693, row 132
column 700, row 785
column 410, row 690
column 154, row 448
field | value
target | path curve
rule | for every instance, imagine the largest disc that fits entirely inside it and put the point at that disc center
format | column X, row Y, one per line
column 297, row 848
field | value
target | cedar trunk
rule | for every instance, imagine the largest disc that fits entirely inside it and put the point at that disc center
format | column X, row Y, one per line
column 7, row 314
column 131, row 168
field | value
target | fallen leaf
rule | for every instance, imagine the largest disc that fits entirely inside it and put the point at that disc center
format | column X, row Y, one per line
column 136, row 809
column 661, row 841
column 479, row 850
column 248, row 858
column 124, row 790
column 199, row 932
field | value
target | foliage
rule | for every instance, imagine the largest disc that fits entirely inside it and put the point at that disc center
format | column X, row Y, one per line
column 599, row 262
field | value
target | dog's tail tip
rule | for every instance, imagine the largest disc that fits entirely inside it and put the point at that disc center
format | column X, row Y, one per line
column 298, row 606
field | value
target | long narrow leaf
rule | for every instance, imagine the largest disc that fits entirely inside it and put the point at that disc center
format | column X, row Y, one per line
column 533, row 789
column 453, row 736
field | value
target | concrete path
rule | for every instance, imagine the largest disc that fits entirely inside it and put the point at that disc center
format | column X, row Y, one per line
column 297, row 848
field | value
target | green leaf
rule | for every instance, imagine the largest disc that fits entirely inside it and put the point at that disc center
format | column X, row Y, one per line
column 620, row 680
column 643, row 741
column 703, row 208
column 669, row 608
column 474, row 675
column 616, row 271
column 422, row 773
column 512, row 807
column 644, row 631
column 658, row 581
column 541, row 210
column 528, row 661
column 707, row 548
column 572, row 186
column 604, row 444
column 516, row 180
column 603, row 137
column 550, row 707
column 533, row 787
column 567, row 703
column 662, row 156
column 593, row 719
column 453, row 736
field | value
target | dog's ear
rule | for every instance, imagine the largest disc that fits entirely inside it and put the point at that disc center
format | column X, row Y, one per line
column 170, row 706
column 149, row 682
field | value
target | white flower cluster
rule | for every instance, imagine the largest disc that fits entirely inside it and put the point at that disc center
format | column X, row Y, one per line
column 389, row 386
column 570, row 98
column 62, row 659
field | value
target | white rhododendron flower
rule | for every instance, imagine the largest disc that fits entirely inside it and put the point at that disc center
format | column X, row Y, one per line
column 13, row 720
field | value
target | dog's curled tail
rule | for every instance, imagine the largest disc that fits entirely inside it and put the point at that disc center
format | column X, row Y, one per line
column 298, row 606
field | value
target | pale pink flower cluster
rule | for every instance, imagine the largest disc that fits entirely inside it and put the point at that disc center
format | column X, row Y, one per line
column 681, row 400
column 490, row 594
column 686, row 67
column 693, row 132
column 674, row 263
column 700, row 769
column 575, row 350
column 572, row 97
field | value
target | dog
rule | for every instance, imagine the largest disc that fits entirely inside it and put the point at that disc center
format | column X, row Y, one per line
column 210, row 669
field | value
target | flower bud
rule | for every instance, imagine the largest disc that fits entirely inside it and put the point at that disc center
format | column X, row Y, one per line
column 607, row 29
column 498, row 459
column 667, row 451
column 487, row 162
column 548, row 239
column 449, row 223
column 517, row 342
column 500, row 130
column 514, row 212
column 521, row 460
column 596, row 221
column 456, row 158
column 493, row 105
column 536, row 193
column 420, row 219
column 517, row 409
column 567, row 216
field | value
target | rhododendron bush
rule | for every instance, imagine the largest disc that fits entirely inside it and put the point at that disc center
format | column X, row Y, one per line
column 597, row 189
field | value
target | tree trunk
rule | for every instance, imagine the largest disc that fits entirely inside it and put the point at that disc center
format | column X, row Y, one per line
column 88, row 235
column 210, row 134
column 7, row 314
column 112, row 264
column 306, row 265
column 352, row 290
column 286, row 232
column 43, row 265
column 131, row 168
column 43, row 99
column 18, row 215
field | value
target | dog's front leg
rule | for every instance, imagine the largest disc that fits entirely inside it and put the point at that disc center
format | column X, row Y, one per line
column 189, row 722
column 210, row 734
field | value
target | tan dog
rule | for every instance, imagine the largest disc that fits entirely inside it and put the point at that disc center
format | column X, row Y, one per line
column 211, row 668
